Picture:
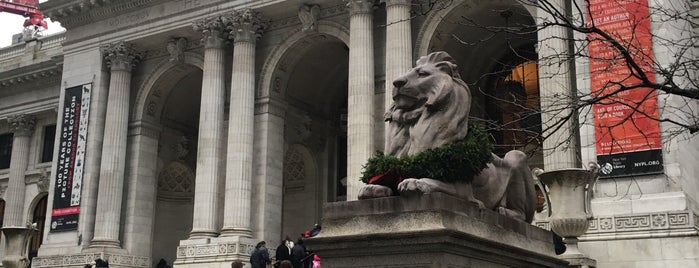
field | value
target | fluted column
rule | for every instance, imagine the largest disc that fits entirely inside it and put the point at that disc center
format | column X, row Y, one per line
column 246, row 27
column 22, row 127
column 360, row 121
column 561, row 149
column 120, row 58
column 399, row 49
column 209, row 152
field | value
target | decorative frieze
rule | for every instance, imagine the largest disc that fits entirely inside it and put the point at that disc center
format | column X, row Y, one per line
column 245, row 25
column 79, row 260
column 214, row 250
column 121, row 56
column 628, row 226
column 22, row 124
column 212, row 30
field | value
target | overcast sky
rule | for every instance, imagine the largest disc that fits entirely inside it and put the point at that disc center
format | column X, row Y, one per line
column 11, row 24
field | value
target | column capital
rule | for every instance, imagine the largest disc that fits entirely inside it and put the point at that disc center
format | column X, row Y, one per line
column 22, row 124
column 360, row 6
column 245, row 25
column 212, row 30
column 121, row 56
column 399, row 2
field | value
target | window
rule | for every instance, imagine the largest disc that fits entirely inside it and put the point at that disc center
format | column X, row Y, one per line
column 49, row 137
column 5, row 150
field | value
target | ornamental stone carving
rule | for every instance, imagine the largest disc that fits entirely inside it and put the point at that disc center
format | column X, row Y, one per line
column 22, row 124
column 121, row 56
column 212, row 30
column 360, row 6
column 309, row 15
column 43, row 182
column 245, row 25
column 176, row 47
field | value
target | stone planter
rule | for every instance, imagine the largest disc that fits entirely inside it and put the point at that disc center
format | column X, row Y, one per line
column 16, row 246
column 568, row 197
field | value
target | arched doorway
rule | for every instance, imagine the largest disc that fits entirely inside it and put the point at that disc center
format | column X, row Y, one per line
column 315, row 90
column 39, row 218
column 494, row 44
column 176, row 161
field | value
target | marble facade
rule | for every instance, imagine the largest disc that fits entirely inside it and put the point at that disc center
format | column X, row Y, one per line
column 216, row 124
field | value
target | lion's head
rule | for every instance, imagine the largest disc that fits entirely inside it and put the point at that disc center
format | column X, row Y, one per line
column 431, row 100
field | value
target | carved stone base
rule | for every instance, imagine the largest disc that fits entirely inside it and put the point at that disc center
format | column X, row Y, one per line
column 214, row 252
column 16, row 243
column 434, row 230
column 579, row 262
column 79, row 260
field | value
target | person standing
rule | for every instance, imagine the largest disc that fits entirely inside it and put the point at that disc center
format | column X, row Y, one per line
column 283, row 251
column 298, row 252
column 260, row 256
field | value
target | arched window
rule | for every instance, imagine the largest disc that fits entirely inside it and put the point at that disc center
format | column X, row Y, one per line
column 39, row 217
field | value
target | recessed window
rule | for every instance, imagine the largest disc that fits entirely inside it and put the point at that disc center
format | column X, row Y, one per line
column 47, row 149
column 5, row 150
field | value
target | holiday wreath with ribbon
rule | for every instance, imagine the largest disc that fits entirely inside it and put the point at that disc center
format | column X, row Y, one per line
column 457, row 161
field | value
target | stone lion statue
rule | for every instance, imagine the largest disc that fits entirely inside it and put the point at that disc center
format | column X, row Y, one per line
column 431, row 105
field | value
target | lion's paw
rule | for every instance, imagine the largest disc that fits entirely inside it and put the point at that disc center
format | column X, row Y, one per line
column 416, row 186
column 374, row 191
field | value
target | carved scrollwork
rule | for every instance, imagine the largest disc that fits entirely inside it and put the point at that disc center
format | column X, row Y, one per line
column 212, row 30
column 22, row 124
column 360, row 6
column 245, row 25
column 121, row 56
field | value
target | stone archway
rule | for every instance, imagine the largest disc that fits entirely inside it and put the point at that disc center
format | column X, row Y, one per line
column 472, row 32
column 167, row 108
column 308, row 74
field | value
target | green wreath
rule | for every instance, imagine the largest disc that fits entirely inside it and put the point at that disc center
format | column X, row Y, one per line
column 457, row 161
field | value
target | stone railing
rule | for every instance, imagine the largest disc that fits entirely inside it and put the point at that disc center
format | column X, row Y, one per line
column 47, row 42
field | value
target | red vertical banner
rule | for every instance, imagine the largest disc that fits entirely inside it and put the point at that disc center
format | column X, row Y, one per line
column 626, row 127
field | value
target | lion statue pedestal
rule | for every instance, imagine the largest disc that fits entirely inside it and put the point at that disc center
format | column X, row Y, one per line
column 472, row 210
column 430, row 230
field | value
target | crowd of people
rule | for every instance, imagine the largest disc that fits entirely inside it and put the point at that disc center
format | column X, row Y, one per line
column 288, row 253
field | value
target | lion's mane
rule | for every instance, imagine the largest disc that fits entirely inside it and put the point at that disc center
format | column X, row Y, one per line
column 443, row 118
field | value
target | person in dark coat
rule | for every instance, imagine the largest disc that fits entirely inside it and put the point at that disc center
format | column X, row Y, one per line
column 283, row 252
column 260, row 256
column 298, row 252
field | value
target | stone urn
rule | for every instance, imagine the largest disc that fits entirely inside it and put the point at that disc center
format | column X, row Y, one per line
column 16, row 246
column 568, row 196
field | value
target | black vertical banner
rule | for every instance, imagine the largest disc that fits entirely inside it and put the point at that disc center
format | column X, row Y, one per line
column 71, row 155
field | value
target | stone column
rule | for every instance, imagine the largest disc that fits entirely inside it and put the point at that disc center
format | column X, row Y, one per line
column 120, row 58
column 209, row 152
column 22, row 127
column 399, row 49
column 246, row 27
column 557, row 84
column 360, row 102
column 142, row 180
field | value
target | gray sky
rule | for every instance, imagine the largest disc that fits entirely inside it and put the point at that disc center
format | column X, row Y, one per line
column 11, row 24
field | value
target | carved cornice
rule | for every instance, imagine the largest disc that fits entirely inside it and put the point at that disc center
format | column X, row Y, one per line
column 360, row 6
column 212, row 30
column 245, row 25
column 22, row 124
column 54, row 72
column 73, row 13
column 121, row 56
